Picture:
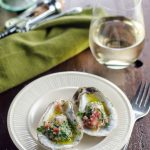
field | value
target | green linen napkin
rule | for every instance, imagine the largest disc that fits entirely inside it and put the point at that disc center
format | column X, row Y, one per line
column 25, row 55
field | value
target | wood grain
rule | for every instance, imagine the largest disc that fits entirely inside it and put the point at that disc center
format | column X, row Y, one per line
column 127, row 79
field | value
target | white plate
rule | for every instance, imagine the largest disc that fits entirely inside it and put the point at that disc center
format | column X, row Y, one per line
column 28, row 106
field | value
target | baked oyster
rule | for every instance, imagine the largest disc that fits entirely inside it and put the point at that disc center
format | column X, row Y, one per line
column 59, row 127
column 96, row 112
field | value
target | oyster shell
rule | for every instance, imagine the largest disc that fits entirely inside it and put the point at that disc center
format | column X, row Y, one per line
column 96, row 112
column 59, row 127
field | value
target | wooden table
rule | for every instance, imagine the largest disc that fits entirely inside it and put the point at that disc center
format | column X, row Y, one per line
column 127, row 79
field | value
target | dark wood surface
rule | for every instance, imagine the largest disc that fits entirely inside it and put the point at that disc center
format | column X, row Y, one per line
column 127, row 79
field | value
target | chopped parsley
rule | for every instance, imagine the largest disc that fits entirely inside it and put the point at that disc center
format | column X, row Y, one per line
column 41, row 129
column 88, row 111
column 61, row 133
column 80, row 114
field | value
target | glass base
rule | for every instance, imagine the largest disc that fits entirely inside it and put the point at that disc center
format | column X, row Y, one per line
column 116, row 67
column 114, row 64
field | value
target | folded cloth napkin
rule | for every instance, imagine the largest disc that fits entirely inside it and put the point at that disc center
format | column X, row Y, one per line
column 25, row 55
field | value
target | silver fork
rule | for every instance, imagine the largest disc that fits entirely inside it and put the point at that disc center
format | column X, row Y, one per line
column 140, row 103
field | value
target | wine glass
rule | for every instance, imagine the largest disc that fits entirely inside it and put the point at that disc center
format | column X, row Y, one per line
column 117, row 32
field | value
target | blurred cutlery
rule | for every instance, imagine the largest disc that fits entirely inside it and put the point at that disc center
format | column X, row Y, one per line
column 50, row 7
column 33, row 24
column 24, row 26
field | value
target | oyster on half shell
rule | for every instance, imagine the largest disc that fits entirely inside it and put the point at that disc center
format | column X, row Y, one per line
column 59, row 127
column 96, row 112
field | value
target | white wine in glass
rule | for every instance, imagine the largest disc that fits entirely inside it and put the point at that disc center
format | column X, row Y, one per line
column 116, row 39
